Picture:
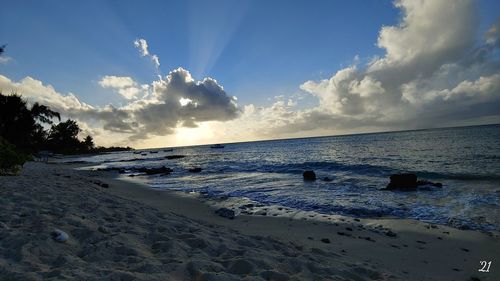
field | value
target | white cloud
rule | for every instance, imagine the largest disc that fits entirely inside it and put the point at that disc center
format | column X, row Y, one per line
column 117, row 82
column 432, row 71
column 125, row 86
column 430, row 33
column 34, row 90
column 142, row 45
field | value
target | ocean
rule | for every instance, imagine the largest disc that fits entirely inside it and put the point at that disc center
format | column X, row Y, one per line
column 466, row 160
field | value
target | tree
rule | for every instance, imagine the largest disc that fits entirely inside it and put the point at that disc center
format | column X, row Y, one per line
column 10, row 159
column 43, row 113
column 16, row 121
column 88, row 143
column 23, row 130
column 23, row 126
column 63, row 137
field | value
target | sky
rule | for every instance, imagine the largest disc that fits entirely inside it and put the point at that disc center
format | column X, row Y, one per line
column 173, row 73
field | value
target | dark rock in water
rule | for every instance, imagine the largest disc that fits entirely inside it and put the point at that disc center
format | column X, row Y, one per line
column 225, row 213
column 174, row 156
column 390, row 234
column 154, row 171
column 426, row 182
column 404, row 181
column 327, row 179
column 113, row 169
column 309, row 176
column 195, row 170
column 325, row 240
column 409, row 182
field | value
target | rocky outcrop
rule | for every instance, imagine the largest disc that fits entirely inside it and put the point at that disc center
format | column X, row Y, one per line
column 429, row 183
column 309, row 175
column 408, row 182
column 174, row 156
column 404, row 181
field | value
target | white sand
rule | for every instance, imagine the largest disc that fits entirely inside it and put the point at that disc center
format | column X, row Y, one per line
column 130, row 232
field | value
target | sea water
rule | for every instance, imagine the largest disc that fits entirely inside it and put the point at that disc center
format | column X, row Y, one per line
column 466, row 160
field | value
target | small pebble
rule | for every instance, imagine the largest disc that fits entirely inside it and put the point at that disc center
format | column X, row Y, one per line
column 59, row 235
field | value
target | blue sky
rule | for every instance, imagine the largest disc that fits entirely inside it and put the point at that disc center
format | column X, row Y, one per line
column 255, row 49
column 274, row 45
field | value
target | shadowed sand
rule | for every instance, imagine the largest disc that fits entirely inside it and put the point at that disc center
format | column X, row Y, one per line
column 130, row 232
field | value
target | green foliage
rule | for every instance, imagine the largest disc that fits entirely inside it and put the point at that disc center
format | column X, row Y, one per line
column 10, row 159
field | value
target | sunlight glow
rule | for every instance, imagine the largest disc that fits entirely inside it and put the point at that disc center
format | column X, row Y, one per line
column 190, row 136
column 185, row 101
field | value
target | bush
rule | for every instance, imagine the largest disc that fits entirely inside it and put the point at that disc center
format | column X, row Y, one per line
column 10, row 160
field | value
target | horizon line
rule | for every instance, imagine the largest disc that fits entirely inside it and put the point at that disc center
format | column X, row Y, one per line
column 322, row 136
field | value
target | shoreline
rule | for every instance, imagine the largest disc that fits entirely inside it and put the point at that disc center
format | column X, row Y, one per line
column 345, row 247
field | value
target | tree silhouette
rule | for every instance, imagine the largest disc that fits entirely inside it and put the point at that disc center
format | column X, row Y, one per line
column 63, row 137
column 16, row 121
column 21, row 125
column 25, row 128
column 88, row 143
column 43, row 113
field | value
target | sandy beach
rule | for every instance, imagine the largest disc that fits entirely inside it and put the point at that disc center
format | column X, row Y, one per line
column 121, row 230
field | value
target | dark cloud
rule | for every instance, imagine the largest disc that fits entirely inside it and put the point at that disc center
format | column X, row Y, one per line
column 179, row 100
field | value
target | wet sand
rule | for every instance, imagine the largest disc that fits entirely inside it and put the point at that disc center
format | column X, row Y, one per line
column 121, row 230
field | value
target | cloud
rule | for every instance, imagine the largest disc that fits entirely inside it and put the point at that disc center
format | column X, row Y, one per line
column 180, row 100
column 176, row 101
column 142, row 45
column 117, row 82
column 34, row 90
column 125, row 86
column 433, row 72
